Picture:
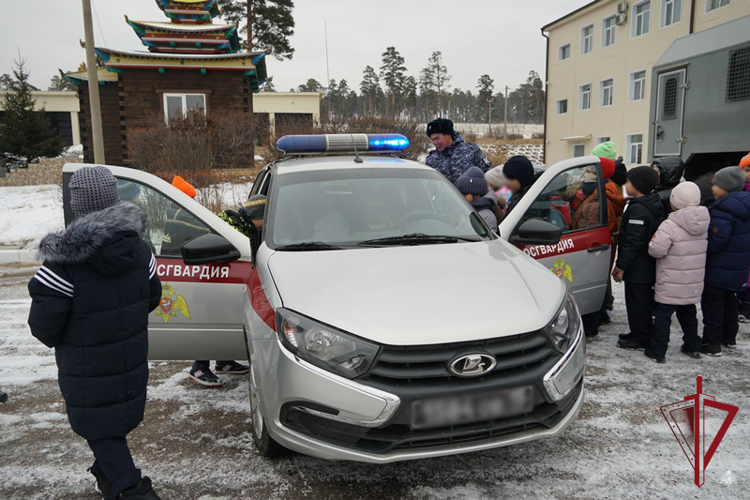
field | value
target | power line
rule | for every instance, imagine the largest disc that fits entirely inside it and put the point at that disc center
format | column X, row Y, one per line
column 101, row 32
column 453, row 42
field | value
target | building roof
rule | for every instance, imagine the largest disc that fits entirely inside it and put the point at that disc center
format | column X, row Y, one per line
column 182, row 28
column 184, row 9
column 727, row 35
column 103, row 76
column 575, row 13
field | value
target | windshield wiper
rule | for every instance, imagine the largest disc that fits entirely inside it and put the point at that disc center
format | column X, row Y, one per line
column 308, row 246
column 414, row 239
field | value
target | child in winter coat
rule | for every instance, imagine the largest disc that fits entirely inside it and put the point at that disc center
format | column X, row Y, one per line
column 91, row 302
column 634, row 265
column 496, row 183
column 728, row 261
column 519, row 177
column 473, row 186
column 679, row 246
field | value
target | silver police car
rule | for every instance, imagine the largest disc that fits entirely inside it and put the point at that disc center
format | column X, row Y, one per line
column 382, row 319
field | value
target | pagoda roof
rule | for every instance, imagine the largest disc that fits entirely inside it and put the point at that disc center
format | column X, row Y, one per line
column 184, row 10
column 102, row 75
column 252, row 64
column 186, row 38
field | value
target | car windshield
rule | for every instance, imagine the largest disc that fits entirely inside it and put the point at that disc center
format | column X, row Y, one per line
column 366, row 206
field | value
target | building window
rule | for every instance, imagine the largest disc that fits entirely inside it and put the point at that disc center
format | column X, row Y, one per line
column 562, row 106
column 587, row 39
column 635, row 148
column 578, row 150
column 605, row 92
column 608, row 31
column 641, row 19
column 604, row 138
column 179, row 105
column 671, row 12
column 738, row 77
column 637, row 89
column 584, row 97
column 716, row 4
column 565, row 52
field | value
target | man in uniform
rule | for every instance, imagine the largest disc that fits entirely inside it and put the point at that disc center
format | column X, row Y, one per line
column 452, row 155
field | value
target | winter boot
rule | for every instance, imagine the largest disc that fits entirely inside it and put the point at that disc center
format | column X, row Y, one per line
column 654, row 357
column 103, row 486
column 711, row 350
column 3, row 397
column 744, row 316
column 692, row 354
column 631, row 344
column 141, row 491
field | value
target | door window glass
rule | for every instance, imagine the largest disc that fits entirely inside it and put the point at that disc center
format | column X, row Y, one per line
column 169, row 226
column 568, row 201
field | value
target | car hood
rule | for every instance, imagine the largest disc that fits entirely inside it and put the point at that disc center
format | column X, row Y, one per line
column 416, row 295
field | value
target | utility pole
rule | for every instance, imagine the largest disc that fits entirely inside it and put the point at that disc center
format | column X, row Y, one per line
column 250, row 110
column 97, row 134
column 489, row 115
column 505, row 113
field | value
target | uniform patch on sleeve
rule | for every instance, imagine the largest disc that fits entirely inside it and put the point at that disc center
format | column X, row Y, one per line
column 638, row 222
column 715, row 229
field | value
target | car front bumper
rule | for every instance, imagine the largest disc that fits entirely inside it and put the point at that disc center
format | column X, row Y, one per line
column 317, row 413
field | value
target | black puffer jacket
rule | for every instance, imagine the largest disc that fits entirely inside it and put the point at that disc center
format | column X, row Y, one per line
column 639, row 223
column 91, row 301
column 671, row 170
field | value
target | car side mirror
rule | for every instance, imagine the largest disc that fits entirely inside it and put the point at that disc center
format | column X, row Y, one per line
column 537, row 232
column 209, row 249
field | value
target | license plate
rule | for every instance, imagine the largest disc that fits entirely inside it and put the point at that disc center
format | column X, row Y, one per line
column 467, row 409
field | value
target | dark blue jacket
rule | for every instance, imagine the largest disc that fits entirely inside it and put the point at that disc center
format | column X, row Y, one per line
column 457, row 158
column 91, row 301
column 729, row 242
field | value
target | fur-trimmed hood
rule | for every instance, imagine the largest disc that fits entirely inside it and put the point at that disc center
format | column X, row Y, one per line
column 86, row 236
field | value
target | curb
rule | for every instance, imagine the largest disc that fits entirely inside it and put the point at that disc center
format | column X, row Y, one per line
column 18, row 257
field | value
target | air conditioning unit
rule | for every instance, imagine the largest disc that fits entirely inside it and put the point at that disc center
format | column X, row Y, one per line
column 621, row 18
column 622, row 7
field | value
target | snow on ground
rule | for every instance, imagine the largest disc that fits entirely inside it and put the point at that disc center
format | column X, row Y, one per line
column 195, row 442
column 28, row 213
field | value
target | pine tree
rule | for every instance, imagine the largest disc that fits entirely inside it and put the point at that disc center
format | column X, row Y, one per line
column 58, row 83
column 268, row 86
column 370, row 86
column 410, row 95
column 486, row 87
column 272, row 23
column 392, row 73
column 426, row 88
column 312, row 85
column 440, row 77
column 25, row 132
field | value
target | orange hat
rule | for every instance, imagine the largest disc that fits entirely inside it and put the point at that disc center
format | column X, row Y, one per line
column 184, row 186
column 608, row 167
column 745, row 162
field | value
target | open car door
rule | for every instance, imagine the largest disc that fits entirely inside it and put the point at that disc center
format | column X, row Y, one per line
column 200, row 315
column 582, row 257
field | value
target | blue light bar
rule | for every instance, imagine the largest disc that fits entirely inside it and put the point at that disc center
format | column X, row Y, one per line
column 298, row 144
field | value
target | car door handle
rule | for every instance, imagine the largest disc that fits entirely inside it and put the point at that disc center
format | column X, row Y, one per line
column 599, row 248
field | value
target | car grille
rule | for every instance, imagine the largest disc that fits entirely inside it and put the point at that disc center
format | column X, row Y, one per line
column 423, row 363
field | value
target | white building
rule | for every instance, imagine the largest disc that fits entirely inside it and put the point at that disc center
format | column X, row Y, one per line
column 599, row 61
column 61, row 109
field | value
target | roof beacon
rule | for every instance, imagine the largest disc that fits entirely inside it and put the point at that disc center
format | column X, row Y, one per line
column 325, row 143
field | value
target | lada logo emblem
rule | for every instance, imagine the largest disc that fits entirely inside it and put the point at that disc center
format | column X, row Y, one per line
column 472, row 365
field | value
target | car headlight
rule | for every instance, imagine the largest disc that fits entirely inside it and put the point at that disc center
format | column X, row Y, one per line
column 562, row 330
column 324, row 346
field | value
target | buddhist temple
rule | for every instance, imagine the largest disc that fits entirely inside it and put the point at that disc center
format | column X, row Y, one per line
column 189, row 63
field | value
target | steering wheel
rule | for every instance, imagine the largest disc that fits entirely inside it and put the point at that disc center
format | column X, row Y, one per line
column 415, row 216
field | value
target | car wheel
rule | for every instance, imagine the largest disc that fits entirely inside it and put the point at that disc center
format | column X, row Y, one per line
column 264, row 443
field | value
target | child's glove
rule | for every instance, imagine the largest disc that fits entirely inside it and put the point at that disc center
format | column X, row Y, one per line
column 617, row 274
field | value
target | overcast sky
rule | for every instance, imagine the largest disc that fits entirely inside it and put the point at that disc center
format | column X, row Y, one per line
column 498, row 37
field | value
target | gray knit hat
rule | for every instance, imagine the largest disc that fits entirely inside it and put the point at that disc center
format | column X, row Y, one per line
column 730, row 179
column 495, row 176
column 92, row 189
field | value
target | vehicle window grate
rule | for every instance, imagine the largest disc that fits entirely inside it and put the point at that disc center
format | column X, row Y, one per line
column 670, row 99
column 738, row 75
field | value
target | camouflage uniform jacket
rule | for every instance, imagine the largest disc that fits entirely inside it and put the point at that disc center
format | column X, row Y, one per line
column 457, row 158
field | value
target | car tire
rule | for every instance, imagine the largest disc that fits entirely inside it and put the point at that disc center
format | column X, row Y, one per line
column 264, row 443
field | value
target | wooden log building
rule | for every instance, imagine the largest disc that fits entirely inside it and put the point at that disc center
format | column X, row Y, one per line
column 191, row 64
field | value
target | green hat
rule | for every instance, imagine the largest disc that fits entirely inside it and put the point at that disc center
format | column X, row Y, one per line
column 605, row 150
